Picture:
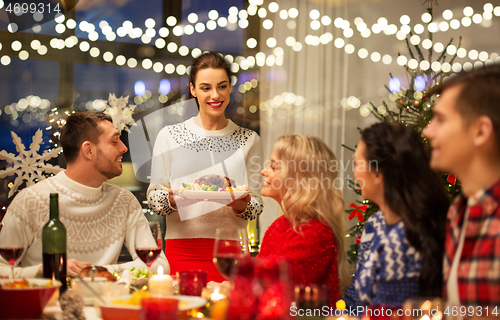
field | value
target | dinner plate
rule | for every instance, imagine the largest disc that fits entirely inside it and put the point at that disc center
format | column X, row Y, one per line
column 189, row 302
column 212, row 195
column 185, row 302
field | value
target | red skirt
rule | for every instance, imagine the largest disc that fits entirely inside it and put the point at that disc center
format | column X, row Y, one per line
column 192, row 254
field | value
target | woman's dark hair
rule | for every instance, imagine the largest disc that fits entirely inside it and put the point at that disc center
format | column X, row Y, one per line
column 80, row 127
column 412, row 191
column 208, row 60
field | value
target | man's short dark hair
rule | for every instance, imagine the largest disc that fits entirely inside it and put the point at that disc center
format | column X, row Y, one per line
column 80, row 127
column 479, row 95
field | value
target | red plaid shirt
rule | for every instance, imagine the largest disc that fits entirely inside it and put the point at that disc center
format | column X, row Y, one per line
column 479, row 267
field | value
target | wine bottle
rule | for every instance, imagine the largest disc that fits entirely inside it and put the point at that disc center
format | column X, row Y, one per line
column 54, row 246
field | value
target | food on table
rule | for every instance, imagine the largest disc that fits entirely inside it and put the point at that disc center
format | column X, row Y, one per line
column 213, row 182
column 136, row 273
column 102, row 272
column 134, row 300
column 140, row 273
column 26, row 298
column 24, row 284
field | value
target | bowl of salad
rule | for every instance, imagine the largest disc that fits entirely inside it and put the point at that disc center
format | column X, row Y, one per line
column 139, row 277
column 25, row 298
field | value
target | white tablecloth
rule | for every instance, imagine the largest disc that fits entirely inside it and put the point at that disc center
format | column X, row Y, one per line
column 55, row 312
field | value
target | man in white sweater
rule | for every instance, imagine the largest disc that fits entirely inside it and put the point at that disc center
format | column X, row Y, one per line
column 99, row 217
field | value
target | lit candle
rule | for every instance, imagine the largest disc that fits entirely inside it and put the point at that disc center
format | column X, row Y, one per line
column 161, row 284
column 216, row 295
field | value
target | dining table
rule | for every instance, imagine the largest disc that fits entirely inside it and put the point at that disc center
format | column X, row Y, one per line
column 55, row 313
column 193, row 308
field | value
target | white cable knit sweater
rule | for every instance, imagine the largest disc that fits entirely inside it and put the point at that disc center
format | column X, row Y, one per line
column 98, row 222
column 185, row 152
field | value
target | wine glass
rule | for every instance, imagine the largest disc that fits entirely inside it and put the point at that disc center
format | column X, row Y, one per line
column 148, row 251
column 11, row 249
column 231, row 244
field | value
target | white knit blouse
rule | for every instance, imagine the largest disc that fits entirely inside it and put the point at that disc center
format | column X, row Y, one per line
column 98, row 222
column 185, row 152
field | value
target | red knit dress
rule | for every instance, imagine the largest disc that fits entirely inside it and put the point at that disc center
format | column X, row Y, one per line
column 311, row 254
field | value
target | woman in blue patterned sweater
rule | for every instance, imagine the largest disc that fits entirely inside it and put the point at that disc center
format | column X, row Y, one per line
column 401, row 248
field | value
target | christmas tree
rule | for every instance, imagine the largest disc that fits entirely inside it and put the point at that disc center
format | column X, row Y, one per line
column 411, row 106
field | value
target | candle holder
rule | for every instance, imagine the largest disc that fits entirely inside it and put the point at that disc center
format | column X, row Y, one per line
column 192, row 282
column 159, row 308
column 421, row 308
column 312, row 296
column 214, row 294
column 260, row 290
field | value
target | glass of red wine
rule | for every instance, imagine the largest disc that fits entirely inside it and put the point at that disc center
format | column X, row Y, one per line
column 148, row 252
column 11, row 250
column 231, row 244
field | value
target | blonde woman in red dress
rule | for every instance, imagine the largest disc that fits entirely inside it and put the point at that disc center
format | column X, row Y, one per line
column 301, row 177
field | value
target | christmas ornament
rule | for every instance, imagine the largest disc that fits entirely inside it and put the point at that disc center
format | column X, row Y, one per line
column 118, row 110
column 28, row 165
column 427, row 106
column 357, row 212
column 452, row 179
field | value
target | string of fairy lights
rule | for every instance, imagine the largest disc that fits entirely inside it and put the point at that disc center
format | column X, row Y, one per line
column 270, row 17
column 238, row 18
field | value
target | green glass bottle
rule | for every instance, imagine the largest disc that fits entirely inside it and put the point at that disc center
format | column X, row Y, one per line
column 54, row 246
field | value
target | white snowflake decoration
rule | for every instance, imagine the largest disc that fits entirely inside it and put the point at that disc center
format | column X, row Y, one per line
column 28, row 165
column 119, row 111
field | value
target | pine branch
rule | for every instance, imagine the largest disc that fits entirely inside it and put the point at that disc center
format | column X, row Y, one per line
column 443, row 55
column 430, row 35
column 430, row 51
column 409, row 49
column 376, row 115
column 420, row 54
column 442, row 73
column 348, row 148
column 412, row 110
column 374, row 111
column 392, row 115
column 459, row 46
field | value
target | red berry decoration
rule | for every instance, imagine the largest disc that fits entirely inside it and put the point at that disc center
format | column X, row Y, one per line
column 358, row 240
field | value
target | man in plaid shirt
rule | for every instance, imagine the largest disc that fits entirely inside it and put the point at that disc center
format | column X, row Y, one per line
column 465, row 137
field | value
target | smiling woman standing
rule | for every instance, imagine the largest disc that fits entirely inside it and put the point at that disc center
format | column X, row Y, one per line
column 208, row 144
